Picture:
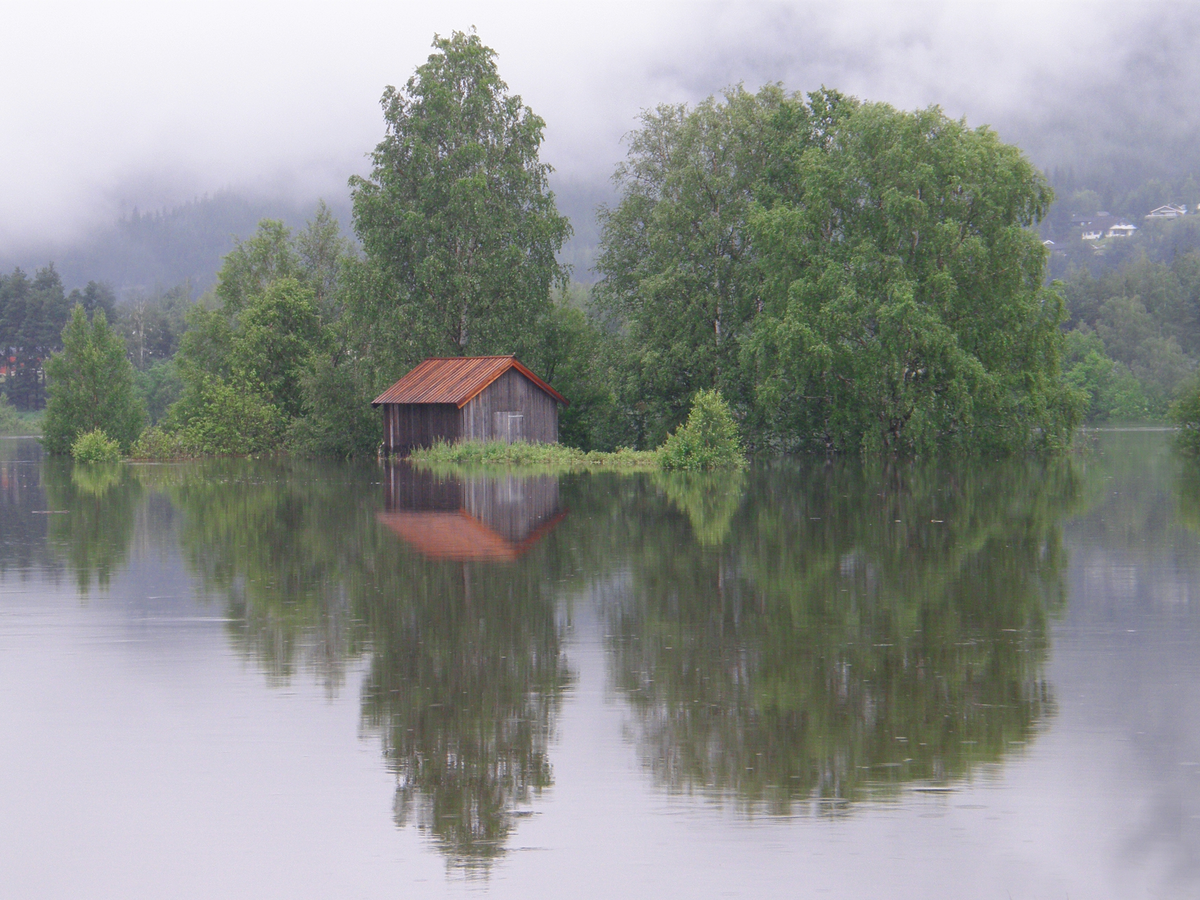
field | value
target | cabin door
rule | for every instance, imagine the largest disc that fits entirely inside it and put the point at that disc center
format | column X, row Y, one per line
column 508, row 426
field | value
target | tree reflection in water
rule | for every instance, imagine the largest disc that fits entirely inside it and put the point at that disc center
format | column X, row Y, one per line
column 793, row 635
column 464, row 651
column 854, row 631
column 92, row 510
column 468, row 670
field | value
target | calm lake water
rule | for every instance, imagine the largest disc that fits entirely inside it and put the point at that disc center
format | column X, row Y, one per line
column 286, row 679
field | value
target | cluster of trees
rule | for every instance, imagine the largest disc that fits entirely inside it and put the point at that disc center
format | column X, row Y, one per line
column 33, row 313
column 848, row 276
column 1134, row 336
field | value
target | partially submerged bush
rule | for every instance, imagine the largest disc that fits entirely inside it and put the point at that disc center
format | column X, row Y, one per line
column 708, row 440
column 154, row 443
column 1185, row 412
column 216, row 417
column 95, row 446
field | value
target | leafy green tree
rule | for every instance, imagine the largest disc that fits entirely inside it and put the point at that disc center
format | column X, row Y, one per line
column 277, row 321
column 1185, row 412
column 459, row 227
column 338, row 420
column 90, row 386
column 678, row 267
column 1110, row 389
column 580, row 360
column 279, row 331
column 903, row 304
column 708, row 440
column 255, row 263
column 322, row 251
column 159, row 386
column 153, row 324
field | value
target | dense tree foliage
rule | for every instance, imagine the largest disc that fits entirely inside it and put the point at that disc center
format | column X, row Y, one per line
column 679, row 272
column 857, row 277
column 246, row 366
column 849, row 277
column 456, row 219
column 32, row 315
column 90, row 386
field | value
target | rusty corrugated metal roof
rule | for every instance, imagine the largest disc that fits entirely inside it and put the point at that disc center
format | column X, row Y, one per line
column 457, row 380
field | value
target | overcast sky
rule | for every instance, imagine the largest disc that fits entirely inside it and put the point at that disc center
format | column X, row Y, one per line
column 110, row 104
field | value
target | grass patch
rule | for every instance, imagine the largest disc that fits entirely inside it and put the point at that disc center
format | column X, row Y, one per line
column 707, row 441
column 541, row 457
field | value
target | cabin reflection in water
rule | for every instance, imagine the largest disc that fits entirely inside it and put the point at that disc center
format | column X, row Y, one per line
column 472, row 517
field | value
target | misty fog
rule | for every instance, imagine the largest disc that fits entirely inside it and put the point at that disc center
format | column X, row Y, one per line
column 207, row 117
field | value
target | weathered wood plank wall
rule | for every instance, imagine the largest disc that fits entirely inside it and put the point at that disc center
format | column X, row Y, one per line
column 410, row 425
column 513, row 394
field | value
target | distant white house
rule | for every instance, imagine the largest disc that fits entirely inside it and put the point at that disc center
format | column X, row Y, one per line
column 1102, row 225
column 1170, row 211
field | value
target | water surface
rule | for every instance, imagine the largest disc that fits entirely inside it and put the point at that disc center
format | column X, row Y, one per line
column 282, row 678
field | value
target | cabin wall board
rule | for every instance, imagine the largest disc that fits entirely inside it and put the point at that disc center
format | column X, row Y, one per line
column 410, row 425
column 511, row 393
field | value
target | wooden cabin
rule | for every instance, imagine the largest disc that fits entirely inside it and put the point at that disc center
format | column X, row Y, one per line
column 468, row 398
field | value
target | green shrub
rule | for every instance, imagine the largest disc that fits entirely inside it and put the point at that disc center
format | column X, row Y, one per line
column 708, row 440
column 216, row 417
column 154, row 443
column 95, row 446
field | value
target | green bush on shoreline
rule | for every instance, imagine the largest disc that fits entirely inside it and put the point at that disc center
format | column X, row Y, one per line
column 95, row 446
column 708, row 440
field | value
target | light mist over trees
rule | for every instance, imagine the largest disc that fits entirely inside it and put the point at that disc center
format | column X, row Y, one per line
column 1096, row 96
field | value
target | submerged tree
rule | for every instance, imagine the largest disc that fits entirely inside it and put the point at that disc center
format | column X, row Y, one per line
column 456, row 219
column 849, row 275
column 904, row 305
column 678, row 268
